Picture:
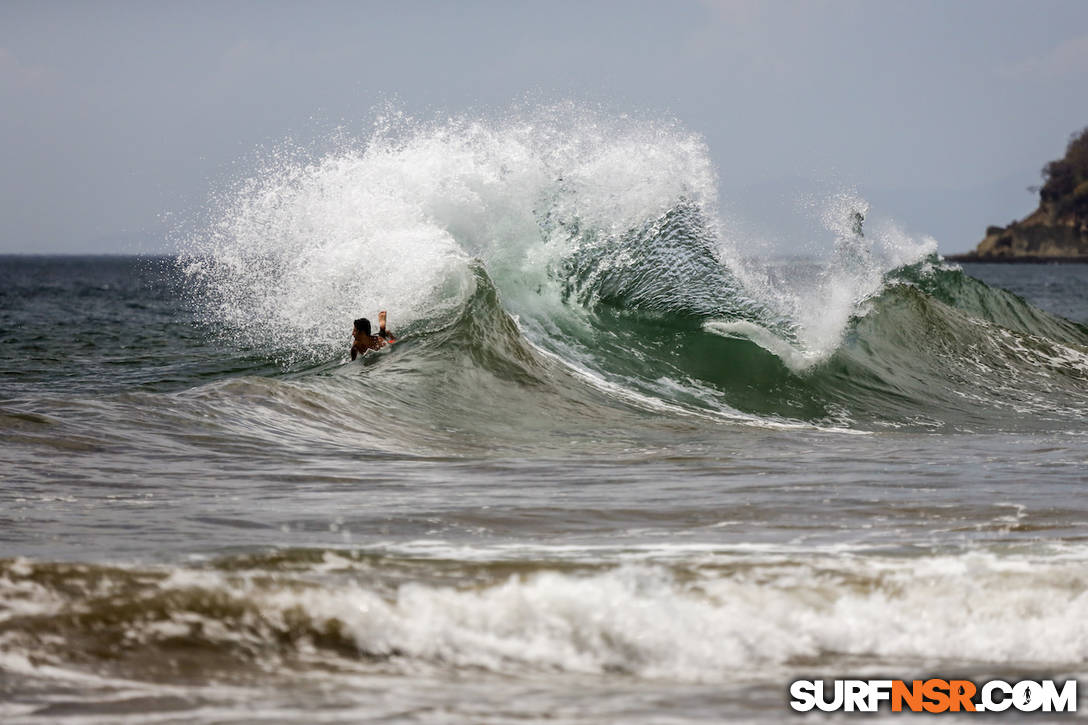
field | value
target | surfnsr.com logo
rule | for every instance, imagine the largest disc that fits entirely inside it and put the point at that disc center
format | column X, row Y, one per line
column 933, row 695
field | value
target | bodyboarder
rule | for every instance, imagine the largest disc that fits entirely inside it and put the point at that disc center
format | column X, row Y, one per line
column 362, row 340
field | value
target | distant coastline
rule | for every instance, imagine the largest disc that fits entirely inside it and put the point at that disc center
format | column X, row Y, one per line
column 972, row 257
column 1057, row 231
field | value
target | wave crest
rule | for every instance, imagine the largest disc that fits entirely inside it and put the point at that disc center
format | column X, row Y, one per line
column 596, row 240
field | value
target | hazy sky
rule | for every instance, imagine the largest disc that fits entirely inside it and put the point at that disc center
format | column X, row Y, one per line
column 116, row 118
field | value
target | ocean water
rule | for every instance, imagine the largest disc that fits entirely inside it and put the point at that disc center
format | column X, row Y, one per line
column 619, row 467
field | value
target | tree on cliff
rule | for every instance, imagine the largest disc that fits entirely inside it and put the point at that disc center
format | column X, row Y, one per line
column 1065, row 191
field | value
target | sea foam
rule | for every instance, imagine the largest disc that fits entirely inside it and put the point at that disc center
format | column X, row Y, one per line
column 743, row 616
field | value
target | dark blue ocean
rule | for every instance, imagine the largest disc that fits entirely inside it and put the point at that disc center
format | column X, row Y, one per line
column 617, row 468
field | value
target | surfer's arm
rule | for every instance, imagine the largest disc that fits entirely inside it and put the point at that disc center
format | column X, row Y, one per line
column 383, row 333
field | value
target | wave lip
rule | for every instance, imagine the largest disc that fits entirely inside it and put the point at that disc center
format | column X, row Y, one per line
column 598, row 242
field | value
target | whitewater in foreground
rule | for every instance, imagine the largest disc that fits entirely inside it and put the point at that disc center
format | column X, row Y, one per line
column 618, row 469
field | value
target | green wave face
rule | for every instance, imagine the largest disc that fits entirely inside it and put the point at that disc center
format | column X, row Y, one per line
column 565, row 276
column 945, row 351
column 928, row 347
column 952, row 352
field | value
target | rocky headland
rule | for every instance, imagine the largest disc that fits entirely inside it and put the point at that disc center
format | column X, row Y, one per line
column 1057, row 231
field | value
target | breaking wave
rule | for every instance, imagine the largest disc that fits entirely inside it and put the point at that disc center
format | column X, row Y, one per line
column 699, row 622
column 563, row 248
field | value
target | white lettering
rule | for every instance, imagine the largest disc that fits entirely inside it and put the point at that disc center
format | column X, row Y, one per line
column 856, row 698
column 988, row 700
column 829, row 705
column 1065, row 701
column 879, row 691
column 803, row 693
column 1027, row 696
column 993, row 696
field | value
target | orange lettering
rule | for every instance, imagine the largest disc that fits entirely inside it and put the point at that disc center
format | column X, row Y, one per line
column 936, row 691
column 912, row 695
column 961, row 692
